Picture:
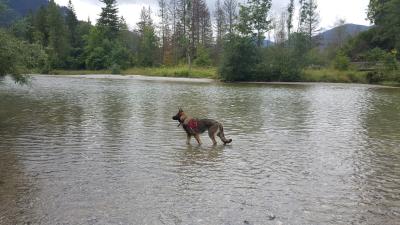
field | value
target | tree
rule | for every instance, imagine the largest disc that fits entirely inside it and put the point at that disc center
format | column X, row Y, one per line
column 240, row 59
column 147, row 39
column 309, row 18
column 254, row 19
column 18, row 58
column 230, row 11
column 58, row 46
column 164, row 27
column 73, row 37
column 289, row 22
column 385, row 15
column 219, row 16
column 280, row 28
column 72, row 23
column 340, row 33
column 109, row 19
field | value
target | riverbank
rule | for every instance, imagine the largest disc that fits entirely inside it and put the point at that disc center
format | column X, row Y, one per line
column 176, row 71
column 325, row 75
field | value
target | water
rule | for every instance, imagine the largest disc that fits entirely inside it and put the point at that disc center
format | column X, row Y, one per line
column 106, row 151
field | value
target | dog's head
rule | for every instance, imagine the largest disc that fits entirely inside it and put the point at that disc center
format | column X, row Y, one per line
column 178, row 115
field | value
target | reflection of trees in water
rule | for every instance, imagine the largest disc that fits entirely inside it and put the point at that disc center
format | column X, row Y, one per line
column 47, row 115
column 18, row 192
column 377, row 162
column 115, row 110
column 24, row 120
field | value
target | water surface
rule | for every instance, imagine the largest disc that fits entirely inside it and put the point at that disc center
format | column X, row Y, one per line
column 76, row 150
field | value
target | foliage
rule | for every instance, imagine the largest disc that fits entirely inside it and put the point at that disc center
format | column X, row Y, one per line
column 18, row 58
column 385, row 33
column 341, row 62
column 279, row 64
column 109, row 20
column 148, row 40
column 239, row 59
column 58, row 46
column 174, row 71
column 333, row 75
column 309, row 18
column 202, row 57
column 254, row 19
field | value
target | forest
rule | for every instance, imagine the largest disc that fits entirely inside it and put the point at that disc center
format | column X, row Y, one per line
column 229, row 43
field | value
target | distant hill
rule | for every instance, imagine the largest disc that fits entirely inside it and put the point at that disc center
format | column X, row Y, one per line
column 23, row 7
column 20, row 8
column 328, row 37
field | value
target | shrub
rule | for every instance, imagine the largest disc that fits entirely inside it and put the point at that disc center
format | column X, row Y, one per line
column 18, row 58
column 375, row 77
column 341, row 62
column 240, row 59
column 115, row 69
column 203, row 57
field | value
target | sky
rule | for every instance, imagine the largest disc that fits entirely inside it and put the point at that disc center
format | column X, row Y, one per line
column 353, row 11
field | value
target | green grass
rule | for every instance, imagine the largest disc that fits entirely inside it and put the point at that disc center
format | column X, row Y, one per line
column 309, row 75
column 163, row 71
column 176, row 71
column 334, row 76
column 79, row 72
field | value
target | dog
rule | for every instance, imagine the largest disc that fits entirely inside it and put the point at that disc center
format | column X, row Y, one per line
column 195, row 127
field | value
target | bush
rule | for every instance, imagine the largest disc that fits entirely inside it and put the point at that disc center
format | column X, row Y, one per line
column 18, row 58
column 203, row 57
column 341, row 62
column 115, row 69
column 279, row 64
column 239, row 60
column 375, row 77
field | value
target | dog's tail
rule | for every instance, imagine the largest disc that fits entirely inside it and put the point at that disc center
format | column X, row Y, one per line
column 222, row 135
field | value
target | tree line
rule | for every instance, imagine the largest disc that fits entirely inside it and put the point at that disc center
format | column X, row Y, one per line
column 231, row 37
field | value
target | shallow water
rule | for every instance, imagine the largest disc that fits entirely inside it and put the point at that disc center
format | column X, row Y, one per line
column 77, row 150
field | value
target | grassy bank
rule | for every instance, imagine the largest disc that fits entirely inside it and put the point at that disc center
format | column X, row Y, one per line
column 334, row 76
column 327, row 75
column 176, row 71
column 79, row 72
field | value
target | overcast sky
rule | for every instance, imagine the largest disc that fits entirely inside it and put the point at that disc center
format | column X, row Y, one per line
column 353, row 11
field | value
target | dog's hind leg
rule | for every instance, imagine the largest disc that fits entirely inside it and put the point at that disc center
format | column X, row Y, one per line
column 197, row 136
column 222, row 136
column 211, row 133
column 212, row 136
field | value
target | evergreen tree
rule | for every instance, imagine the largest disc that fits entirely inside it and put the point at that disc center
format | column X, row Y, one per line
column 72, row 24
column 58, row 47
column 230, row 11
column 148, row 40
column 289, row 23
column 109, row 20
column 309, row 18
column 220, row 22
column 385, row 15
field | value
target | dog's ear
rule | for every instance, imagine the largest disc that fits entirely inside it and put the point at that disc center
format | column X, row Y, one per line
column 180, row 109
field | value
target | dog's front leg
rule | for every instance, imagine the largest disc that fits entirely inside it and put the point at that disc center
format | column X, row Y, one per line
column 197, row 136
column 188, row 137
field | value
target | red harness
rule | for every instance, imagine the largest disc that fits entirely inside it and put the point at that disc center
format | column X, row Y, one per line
column 192, row 124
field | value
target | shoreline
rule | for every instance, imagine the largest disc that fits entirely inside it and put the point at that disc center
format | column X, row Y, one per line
column 202, row 80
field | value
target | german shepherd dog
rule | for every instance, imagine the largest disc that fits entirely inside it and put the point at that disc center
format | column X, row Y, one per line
column 195, row 127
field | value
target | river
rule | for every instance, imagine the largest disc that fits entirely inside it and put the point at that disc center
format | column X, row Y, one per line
column 98, row 150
